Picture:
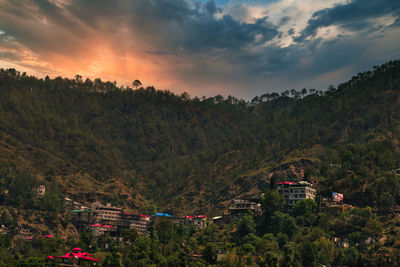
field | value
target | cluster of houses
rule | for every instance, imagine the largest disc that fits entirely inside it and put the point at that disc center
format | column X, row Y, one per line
column 112, row 220
column 102, row 219
column 107, row 220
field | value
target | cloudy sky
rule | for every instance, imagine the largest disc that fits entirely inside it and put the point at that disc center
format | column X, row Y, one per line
column 242, row 48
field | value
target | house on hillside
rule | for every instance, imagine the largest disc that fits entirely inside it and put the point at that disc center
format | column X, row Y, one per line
column 294, row 192
column 40, row 191
column 200, row 221
column 242, row 206
column 334, row 204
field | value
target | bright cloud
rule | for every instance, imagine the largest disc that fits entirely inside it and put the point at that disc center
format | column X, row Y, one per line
column 234, row 47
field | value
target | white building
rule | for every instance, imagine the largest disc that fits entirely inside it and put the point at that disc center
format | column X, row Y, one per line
column 106, row 214
column 294, row 192
column 41, row 190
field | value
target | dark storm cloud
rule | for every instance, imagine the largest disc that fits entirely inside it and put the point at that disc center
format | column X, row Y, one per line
column 225, row 33
column 290, row 31
column 198, row 44
column 174, row 22
column 354, row 16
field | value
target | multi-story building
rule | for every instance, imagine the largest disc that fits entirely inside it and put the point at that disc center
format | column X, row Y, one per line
column 106, row 218
column 99, row 230
column 141, row 224
column 240, row 206
column 81, row 218
column 106, row 214
column 135, row 221
column 294, row 192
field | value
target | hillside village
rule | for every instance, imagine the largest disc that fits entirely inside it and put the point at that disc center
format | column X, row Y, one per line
column 107, row 222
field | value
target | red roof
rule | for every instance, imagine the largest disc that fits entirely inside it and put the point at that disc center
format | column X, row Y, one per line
column 84, row 255
column 51, row 257
column 66, row 256
column 188, row 217
column 142, row 215
column 90, row 259
column 48, row 236
column 107, row 226
column 201, row 216
column 284, row 182
column 77, row 249
column 29, row 237
column 95, row 225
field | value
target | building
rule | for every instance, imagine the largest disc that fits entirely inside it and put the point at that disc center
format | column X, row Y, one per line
column 294, row 192
column 135, row 221
column 81, row 218
column 218, row 220
column 240, row 206
column 99, row 229
column 199, row 221
column 106, row 214
column 113, row 218
column 335, row 204
column 41, row 190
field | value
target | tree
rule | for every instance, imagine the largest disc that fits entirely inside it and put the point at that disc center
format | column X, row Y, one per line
column 304, row 92
column 210, row 253
column 271, row 202
column 32, row 261
column 78, row 78
column 246, row 226
column 305, row 212
column 305, row 207
column 284, row 223
column 130, row 235
column 136, row 83
column 112, row 260
column 164, row 228
column 373, row 228
column 325, row 251
column 386, row 200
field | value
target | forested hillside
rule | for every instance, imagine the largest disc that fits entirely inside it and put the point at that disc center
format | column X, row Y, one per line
column 150, row 149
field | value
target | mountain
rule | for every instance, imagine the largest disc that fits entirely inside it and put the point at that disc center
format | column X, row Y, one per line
column 147, row 149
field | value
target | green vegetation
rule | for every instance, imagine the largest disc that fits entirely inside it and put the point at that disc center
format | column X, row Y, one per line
column 165, row 148
column 151, row 150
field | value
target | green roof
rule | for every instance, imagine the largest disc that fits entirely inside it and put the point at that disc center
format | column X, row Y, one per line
column 86, row 210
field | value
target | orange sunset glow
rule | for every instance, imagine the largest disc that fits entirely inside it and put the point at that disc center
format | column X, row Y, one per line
column 208, row 48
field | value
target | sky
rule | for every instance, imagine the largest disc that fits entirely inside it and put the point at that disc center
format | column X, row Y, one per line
column 228, row 47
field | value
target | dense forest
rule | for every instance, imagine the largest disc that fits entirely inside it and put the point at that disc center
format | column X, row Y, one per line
column 172, row 151
column 150, row 150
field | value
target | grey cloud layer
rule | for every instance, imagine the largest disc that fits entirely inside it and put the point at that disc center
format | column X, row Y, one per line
column 219, row 48
column 354, row 16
